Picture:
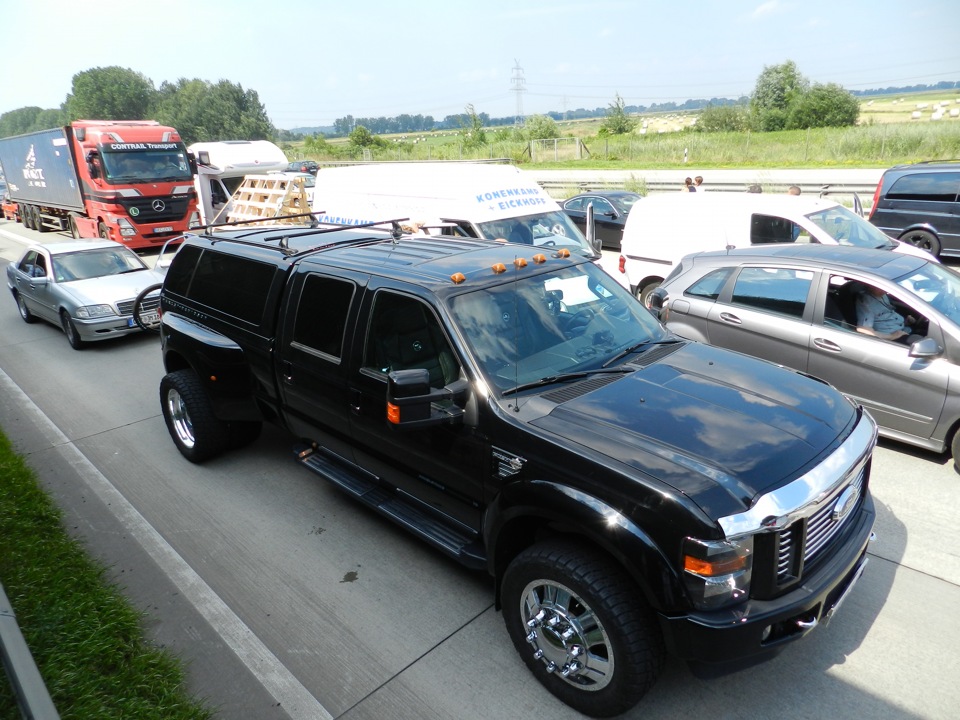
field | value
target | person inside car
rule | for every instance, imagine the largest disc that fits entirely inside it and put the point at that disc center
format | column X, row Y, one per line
column 876, row 316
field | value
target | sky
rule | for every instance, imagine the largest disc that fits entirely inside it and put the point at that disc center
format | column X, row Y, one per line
column 313, row 61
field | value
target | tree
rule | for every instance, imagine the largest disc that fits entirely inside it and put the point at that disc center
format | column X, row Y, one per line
column 472, row 133
column 110, row 93
column 827, row 105
column 202, row 111
column 723, row 118
column 778, row 86
column 541, row 127
column 617, row 121
column 19, row 121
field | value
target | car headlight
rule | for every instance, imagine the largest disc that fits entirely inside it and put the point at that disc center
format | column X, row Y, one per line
column 89, row 312
column 717, row 572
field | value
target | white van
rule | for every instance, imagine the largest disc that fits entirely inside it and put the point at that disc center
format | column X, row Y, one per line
column 221, row 167
column 664, row 228
column 458, row 199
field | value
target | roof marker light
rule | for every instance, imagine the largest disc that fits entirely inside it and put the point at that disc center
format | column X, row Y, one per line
column 520, row 262
column 499, row 268
column 539, row 258
column 458, row 278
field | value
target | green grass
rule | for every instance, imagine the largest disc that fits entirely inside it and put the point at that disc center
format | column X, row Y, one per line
column 885, row 136
column 86, row 639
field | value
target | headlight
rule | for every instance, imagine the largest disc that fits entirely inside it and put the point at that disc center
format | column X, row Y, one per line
column 717, row 572
column 126, row 229
column 89, row 312
column 194, row 220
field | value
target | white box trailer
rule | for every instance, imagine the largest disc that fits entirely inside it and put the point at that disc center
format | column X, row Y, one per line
column 457, row 199
column 221, row 167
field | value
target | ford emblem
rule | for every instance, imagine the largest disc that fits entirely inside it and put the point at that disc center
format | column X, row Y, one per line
column 844, row 504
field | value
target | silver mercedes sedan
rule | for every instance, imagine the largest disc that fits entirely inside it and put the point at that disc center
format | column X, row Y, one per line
column 883, row 327
column 85, row 287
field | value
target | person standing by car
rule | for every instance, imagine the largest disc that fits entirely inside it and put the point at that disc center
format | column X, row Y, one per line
column 688, row 185
column 698, row 184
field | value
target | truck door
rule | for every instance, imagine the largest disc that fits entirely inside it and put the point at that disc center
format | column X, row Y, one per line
column 311, row 364
column 442, row 466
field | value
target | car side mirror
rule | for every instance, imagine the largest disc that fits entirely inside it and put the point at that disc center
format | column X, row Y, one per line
column 925, row 349
column 412, row 403
column 658, row 298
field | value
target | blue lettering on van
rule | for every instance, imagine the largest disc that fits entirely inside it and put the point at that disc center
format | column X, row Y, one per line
column 521, row 203
column 337, row 220
column 508, row 193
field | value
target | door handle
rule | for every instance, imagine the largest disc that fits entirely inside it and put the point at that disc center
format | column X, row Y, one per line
column 730, row 318
column 827, row 345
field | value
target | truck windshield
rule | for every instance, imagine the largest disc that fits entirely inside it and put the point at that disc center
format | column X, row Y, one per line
column 574, row 320
column 551, row 229
column 139, row 166
column 848, row 228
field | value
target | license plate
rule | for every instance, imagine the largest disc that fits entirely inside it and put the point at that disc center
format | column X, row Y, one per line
column 147, row 318
column 163, row 229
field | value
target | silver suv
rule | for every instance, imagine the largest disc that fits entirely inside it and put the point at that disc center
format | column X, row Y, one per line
column 808, row 308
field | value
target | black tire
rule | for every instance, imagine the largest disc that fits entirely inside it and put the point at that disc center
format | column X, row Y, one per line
column 923, row 239
column 38, row 221
column 26, row 215
column 103, row 232
column 643, row 292
column 243, row 433
column 70, row 330
column 28, row 317
column 603, row 635
column 196, row 431
column 138, row 309
column 955, row 450
column 74, row 230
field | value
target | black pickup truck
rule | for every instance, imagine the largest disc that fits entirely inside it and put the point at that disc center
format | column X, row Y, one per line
column 630, row 492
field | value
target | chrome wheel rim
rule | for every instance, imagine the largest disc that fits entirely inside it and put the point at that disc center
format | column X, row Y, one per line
column 566, row 635
column 180, row 419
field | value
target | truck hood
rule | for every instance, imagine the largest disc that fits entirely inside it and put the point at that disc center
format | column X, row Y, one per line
column 715, row 425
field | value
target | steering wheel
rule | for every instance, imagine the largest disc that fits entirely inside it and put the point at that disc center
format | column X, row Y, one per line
column 558, row 229
column 577, row 323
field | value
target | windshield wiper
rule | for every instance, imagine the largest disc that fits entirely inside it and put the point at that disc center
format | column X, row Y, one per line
column 637, row 346
column 564, row 377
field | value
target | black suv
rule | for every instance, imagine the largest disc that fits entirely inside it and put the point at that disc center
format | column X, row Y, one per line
column 630, row 493
column 304, row 166
column 920, row 204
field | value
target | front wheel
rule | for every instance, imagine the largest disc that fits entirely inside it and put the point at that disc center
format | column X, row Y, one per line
column 146, row 309
column 196, row 431
column 923, row 239
column 70, row 330
column 103, row 231
column 25, row 314
column 581, row 627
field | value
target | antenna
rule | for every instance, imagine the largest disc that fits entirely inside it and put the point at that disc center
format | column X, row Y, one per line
column 519, row 87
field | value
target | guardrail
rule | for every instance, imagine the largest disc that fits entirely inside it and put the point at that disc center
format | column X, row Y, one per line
column 33, row 699
column 557, row 187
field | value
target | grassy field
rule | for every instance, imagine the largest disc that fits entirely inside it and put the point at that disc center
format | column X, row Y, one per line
column 85, row 638
column 892, row 130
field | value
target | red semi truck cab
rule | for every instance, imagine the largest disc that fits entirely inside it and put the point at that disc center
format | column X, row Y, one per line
column 136, row 181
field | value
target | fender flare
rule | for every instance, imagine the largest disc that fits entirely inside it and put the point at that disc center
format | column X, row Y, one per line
column 523, row 507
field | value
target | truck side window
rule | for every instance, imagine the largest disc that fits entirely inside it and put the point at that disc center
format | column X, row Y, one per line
column 322, row 314
column 405, row 334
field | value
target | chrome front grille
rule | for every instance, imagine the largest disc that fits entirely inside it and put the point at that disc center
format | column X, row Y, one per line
column 151, row 302
column 815, row 532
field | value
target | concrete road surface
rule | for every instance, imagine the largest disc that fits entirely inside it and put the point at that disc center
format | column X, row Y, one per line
column 288, row 600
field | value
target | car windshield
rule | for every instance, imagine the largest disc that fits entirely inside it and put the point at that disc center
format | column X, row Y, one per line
column 138, row 166
column 848, row 228
column 87, row 264
column 624, row 203
column 578, row 319
column 938, row 286
column 551, row 229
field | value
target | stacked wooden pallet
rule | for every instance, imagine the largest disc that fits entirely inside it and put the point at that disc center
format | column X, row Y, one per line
column 270, row 198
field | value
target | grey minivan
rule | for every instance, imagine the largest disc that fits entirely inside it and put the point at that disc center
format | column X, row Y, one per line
column 797, row 306
column 920, row 204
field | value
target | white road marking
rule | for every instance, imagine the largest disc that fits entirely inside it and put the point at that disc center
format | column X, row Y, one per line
column 294, row 698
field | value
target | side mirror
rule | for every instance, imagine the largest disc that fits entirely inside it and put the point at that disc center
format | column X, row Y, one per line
column 925, row 349
column 658, row 298
column 412, row 403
